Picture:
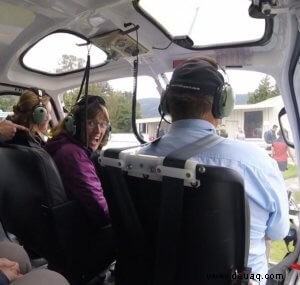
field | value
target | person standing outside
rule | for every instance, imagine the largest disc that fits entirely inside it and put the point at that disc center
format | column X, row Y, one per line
column 281, row 151
column 196, row 99
column 270, row 136
column 222, row 132
column 240, row 135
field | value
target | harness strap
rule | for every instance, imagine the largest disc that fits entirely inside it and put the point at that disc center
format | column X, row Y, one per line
column 171, row 209
column 178, row 157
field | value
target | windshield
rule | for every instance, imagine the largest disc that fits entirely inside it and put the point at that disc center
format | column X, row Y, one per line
column 230, row 22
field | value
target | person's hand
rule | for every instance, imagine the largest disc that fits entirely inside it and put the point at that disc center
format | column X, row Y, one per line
column 10, row 268
column 8, row 129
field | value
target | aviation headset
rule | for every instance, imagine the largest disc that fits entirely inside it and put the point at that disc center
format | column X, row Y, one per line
column 39, row 111
column 201, row 75
column 72, row 123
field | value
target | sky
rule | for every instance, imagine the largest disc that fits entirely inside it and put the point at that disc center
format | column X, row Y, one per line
column 242, row 82
column 193, row 18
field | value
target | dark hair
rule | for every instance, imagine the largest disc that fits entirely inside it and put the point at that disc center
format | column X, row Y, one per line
column 187, row 105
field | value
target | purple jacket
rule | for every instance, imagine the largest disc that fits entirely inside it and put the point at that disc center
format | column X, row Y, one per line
column 79, row 176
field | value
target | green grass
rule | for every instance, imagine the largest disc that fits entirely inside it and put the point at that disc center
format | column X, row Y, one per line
column 278, row 251
column 296, row 196
column 291, row 172
column 278, row 248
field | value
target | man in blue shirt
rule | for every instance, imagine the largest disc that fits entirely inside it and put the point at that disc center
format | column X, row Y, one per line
column 270, row 135
column 196, row 99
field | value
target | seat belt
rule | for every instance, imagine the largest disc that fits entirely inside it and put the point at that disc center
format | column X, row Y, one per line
column 171, row 209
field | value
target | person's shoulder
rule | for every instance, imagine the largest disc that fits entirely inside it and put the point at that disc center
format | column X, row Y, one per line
column 244, row 147
column 71, row 147
column 62, row 144
column 21, row 138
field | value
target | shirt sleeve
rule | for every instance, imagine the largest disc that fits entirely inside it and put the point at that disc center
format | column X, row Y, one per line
column 278, row 223
column 269, row 204
column 3, row 279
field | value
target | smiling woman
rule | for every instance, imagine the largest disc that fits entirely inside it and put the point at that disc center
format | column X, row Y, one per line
column 71, row 146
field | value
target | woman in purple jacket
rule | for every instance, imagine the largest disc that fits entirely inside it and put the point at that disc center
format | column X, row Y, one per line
column 73, row 142
column 71, row 146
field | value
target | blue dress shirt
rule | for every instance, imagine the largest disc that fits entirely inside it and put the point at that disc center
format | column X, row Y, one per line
column 264, row 184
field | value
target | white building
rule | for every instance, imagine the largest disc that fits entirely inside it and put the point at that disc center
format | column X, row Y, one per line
column 255, row 119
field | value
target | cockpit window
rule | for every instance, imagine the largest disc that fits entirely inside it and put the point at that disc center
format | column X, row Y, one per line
column 206, row 23
column 65, row 53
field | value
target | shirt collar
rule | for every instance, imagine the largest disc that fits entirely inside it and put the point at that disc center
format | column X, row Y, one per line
column 193, row 124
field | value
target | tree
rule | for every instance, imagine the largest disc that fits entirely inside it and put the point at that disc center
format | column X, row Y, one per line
column 70, row 63
column 264, row 91
column 118, row 103
column 7, row 102
column 119, row 107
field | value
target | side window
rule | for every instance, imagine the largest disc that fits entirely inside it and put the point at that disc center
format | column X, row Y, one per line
column 118, row 96
column 6, row 105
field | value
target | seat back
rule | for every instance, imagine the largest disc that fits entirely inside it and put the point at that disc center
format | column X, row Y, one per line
column 35, row 208
column 175, row 226
column 29, row 184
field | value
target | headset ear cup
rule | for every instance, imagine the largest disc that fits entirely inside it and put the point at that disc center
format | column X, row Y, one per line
column 39, row 114
column 70, row 125
column 223, row 103
column 228, row 100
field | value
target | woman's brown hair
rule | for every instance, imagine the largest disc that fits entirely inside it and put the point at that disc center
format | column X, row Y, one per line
column 23, row 110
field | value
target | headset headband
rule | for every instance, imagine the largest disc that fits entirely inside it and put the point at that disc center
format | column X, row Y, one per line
column 37, row 91
column 90, row 100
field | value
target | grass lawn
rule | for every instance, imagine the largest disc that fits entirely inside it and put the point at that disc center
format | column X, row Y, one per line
column 278, row 251
column 278, row 248
column 291, row 172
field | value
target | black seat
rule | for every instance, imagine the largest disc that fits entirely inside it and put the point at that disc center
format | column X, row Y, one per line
column 176, row 226
column 35, row 208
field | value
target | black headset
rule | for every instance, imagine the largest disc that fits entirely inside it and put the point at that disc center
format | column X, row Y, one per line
column 223, row 99
column 72, row 123
column 39, row 111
